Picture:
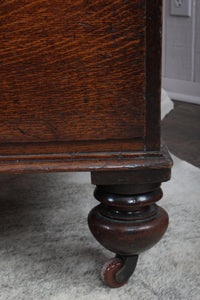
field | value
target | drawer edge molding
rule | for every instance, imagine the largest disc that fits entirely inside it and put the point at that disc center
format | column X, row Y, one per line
column 86, row 162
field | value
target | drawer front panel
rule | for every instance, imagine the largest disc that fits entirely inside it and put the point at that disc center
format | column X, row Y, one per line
column 72, row 70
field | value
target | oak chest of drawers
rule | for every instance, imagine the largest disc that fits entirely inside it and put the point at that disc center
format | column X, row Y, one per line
column 80, row 91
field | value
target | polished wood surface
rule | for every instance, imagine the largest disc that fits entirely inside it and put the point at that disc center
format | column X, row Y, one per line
column 154, row 165
column 80, row 91
column 71, row 70
column 79, row 77
column 153, row 73
column 128, row 224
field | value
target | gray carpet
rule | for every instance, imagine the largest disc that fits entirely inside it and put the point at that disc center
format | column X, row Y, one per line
column 47, row 251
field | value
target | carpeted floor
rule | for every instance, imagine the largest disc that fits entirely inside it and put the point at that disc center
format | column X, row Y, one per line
column 47, row 251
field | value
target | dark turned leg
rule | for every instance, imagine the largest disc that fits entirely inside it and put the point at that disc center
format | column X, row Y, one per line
column 127, row 222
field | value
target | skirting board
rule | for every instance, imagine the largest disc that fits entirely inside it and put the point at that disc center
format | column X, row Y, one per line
column 182, row 90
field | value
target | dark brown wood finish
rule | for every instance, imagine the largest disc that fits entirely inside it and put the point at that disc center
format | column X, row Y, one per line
column 126, row 224
column 155, row 165
column 153, row 73
column 75, row 77
column 71, row 70
column 80, row 91
column 138, row 223
column 71, row 147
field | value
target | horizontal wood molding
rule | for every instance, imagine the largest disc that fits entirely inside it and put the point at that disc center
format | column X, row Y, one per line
column 86, row 162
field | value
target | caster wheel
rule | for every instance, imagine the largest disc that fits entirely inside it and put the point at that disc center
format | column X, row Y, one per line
column 109, row 269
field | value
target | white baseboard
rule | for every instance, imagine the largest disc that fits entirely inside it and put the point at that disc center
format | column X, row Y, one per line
column 182, row 90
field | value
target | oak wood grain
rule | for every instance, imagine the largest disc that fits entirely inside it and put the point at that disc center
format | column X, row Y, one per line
column 79, row 77
column 46, row 148
column 72, row 70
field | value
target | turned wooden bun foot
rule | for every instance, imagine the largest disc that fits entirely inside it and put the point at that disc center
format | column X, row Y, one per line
column 126, row 225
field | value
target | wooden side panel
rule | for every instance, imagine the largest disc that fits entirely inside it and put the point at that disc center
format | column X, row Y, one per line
column 72, row 70
column 153, row 73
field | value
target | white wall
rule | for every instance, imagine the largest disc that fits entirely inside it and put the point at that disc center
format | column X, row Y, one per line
column 181, row 54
